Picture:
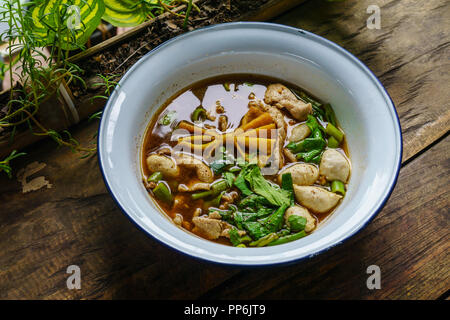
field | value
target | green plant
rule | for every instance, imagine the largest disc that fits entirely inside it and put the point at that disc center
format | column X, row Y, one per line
column 108, row 82
column 60, row 26
column 67, row 24
column 5, row 164
column 40, row 75
column 129, row 13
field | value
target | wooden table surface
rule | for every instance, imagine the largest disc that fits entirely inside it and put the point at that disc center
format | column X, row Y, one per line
column 76, row 222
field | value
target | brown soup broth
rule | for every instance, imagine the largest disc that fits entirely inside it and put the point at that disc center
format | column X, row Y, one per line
column 208, row 93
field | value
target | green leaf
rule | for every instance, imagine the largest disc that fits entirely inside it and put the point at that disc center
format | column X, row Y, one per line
column 229, row 178
column 234, row 237
column 241, row 183
column 259, row 185
column 253, row 203
column 130, row 13
column 65, row 23
column 263, row 227
column 222, row 162
column 288, row 185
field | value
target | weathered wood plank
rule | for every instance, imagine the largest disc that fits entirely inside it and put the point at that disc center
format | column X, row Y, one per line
column 410, row 54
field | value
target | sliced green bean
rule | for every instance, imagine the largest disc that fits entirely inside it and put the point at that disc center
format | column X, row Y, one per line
column 289, row 238
column 338, row 187
column 334, row 132
column 162, row 192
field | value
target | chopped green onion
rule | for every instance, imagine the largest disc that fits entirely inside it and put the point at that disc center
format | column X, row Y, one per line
column 338, row 187
column 333, row 143
column 334, row 132
column 162, row 192
column 155, row 177
column 216, row 188
column 201, row 195
column 219, row 186
column 199, row 114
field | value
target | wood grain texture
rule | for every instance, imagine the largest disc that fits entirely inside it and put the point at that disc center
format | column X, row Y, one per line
column 77, row 222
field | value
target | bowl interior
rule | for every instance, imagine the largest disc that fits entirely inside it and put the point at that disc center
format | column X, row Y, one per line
column 362, row 106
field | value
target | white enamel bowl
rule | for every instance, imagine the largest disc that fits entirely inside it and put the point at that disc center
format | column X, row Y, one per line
column 362, row 105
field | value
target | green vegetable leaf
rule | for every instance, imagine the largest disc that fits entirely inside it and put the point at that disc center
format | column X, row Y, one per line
column 261, row 186
column 288, row 185
column 229, row 178
column 241, row 184
column 263, row 227
column 234, row 237
column 253, row 203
